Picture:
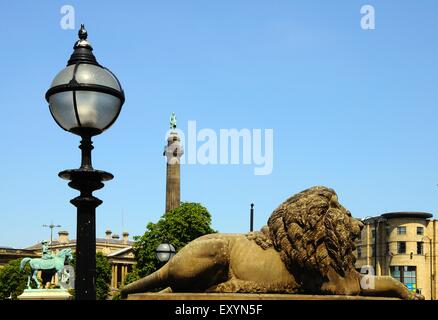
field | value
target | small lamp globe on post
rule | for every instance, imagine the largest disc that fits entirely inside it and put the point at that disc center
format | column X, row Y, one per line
column 165, row 251
column 85, row 99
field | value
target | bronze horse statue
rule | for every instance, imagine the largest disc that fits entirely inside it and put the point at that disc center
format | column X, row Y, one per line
column 56, row 263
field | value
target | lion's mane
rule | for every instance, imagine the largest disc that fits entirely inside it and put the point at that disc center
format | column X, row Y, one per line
column 312, row 233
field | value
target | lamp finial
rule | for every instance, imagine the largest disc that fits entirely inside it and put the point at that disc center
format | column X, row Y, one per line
column 82, row 49
column 82, row 32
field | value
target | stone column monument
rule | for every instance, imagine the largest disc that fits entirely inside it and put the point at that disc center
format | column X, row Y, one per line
column 173, row 152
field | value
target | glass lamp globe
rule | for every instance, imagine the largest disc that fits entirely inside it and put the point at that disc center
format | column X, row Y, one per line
column 85, row 97
column 165, row 252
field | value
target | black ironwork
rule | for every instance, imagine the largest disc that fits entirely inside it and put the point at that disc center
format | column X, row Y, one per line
column 76, row 86
column 86, row 180
column 82, row 50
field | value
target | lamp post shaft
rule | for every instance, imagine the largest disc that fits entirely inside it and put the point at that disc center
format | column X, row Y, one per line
column 85, row 281
column 86, row 147
column 86, row 180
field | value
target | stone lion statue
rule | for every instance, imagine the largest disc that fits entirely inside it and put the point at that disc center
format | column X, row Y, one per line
column 307, row 247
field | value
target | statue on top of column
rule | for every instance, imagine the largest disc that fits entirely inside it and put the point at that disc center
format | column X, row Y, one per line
column 173, row 121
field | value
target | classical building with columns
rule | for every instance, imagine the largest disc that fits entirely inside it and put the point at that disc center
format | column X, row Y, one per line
column 117, row 250
column 401, row 245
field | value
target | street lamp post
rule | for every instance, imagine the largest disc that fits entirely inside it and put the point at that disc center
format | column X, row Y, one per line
column 51, row 226
column 251, row 218
column 85, row 99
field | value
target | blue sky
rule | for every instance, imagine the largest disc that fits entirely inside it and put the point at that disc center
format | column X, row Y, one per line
column 351, row 109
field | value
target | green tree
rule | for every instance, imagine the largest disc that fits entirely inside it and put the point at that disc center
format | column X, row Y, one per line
column 132, row 275
column 179, row 226
column 103, row 278
column 12, row 280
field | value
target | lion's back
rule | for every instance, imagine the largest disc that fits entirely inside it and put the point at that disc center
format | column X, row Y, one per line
column 250, row 262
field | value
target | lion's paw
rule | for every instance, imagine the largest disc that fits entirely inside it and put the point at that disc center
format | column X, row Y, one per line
column 417, row 296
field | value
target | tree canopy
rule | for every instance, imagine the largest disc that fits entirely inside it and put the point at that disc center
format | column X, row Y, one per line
column 179, row 226
column 103, row 275
column 103, row 279
column 12, row 280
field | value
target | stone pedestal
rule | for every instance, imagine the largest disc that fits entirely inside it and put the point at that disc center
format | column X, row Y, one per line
column 244, row 296
column 45, row 294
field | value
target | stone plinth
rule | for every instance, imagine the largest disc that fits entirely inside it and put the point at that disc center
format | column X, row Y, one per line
column 244, row 296
column 45, row 294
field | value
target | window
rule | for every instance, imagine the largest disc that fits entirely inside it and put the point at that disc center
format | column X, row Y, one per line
column 420, row 231
column 401, row 230
column 406, row 275
column 419, row 247
column 359, row 252
column 401, row 247
column 388, row 231
column 395, row 273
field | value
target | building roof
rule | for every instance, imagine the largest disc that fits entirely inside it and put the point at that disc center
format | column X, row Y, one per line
column 14, row 249
column 407, row 214
column 116, row 253
column 73, row 241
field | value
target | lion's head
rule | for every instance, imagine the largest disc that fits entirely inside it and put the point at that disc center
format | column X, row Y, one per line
column 314, row 234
